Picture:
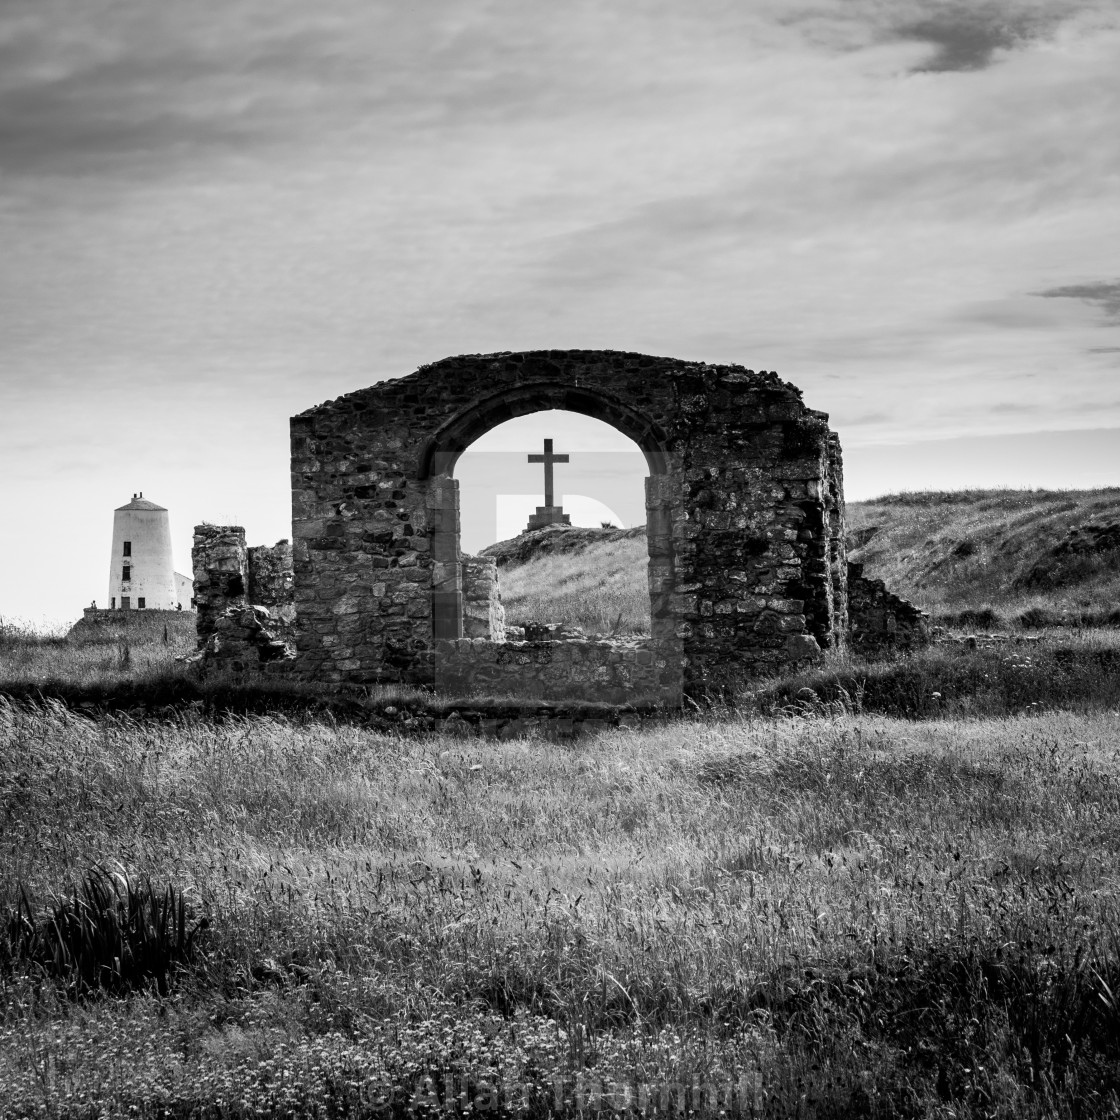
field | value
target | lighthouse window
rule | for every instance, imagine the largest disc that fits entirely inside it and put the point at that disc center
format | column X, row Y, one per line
column 140, row 602
column 126, row 573
column 128, row 548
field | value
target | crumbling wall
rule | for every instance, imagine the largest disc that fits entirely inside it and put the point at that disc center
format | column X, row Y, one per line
column 881, row 621
column 221, row 573
column 483, row 613
column 244, row 598
column 270, row 579
column 248, row 639
column 743, row 508
column 836, row 532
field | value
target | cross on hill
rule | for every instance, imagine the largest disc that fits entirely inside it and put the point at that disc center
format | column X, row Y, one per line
column 549, row 513
column 548, row 458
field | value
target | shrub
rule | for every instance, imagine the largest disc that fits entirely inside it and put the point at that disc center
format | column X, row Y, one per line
column 111, row 933
column 976, row 618
column 946, row 681
column 1036, row 618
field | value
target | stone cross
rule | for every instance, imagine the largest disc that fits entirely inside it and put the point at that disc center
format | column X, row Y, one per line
column 548, row 459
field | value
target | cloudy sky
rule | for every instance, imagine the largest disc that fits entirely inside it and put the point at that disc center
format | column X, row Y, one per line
column 218, row 213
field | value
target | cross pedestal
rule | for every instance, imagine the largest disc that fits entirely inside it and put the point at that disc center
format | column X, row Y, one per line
column 549, row 513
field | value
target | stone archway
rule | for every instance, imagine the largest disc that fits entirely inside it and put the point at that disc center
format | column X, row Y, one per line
column 437, row 464
column 744, row 499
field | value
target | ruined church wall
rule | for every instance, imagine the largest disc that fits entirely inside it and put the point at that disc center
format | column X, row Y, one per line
column 741, row 504
column 221, row 573
column 271, row 582
column 244, row 599
column 229, row 573
column 836, row 547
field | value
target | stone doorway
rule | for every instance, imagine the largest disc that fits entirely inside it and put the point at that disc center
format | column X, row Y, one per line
column 614, row 671
column 444, row 497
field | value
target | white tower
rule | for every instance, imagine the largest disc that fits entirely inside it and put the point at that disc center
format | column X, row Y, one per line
column 141, row 574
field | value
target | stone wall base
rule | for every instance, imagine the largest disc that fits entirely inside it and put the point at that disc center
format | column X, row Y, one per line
column 611, row 672
column 247, row 639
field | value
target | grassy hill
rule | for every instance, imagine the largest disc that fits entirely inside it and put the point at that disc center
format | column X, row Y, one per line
column 591, row 578
column 1035, row 556
column 995, row 557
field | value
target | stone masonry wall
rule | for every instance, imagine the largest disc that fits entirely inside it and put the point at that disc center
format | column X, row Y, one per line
column 836, row 552
column 744, row 511
column 271, row 583
column 881, row 620
column 483, row 613
column 619, row 672
column 244, row 597
column 221, row 573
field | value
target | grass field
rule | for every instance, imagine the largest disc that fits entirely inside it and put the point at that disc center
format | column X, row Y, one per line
column 110, row 654
column 827, row 913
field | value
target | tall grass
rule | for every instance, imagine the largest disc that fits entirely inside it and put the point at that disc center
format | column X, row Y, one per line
column 846, row 916
column 604, row 589
column 115, row 652
column 1058, row 672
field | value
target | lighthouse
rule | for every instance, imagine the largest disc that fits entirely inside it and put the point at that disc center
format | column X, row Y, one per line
column 141, row 574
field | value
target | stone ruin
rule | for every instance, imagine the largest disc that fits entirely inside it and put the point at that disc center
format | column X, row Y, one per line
column 244, row 600
column 748, row 574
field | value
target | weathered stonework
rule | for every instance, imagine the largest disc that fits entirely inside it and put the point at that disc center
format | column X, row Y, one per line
column 882, row 621
column 221, row 573
column 244, row 598
column 271, row 582
column 744, row 509
column 248, row 639
column 614, row 672
column 547, row 515
column 483, row 613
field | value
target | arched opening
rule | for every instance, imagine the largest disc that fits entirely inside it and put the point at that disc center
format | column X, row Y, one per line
column 443, row 451
column 744, row 515
column 580, row 484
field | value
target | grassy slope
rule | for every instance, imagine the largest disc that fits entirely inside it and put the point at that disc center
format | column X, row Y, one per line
column 591, row 578
column 967, row 549
column 946, row 551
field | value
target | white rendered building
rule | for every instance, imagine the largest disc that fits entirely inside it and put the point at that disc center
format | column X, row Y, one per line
column 141, row 573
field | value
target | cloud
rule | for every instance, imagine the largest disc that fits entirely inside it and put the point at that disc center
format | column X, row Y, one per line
column 967, row 38
column 1102, row 294
column 966, row 35
column 103, row 87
